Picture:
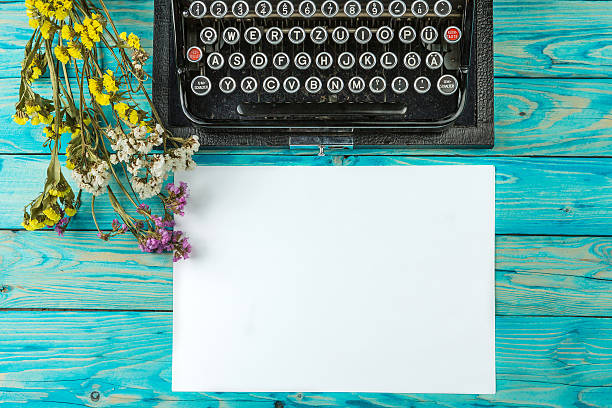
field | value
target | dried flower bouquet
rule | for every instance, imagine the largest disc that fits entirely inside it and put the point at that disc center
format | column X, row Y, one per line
column 112, row 136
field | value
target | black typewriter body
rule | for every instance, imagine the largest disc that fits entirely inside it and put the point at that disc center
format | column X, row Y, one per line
column 401, row 71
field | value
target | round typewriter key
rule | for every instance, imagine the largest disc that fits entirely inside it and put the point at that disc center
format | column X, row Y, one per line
column 318, row 35
column 375, row 8
column 197, row 9
column 252, row 35
column 407, row 34
column 218, row 9
column 274, row 35
column 442, row 8
column 307, row 8
column 429, row 35
column 363, row 35
column 200, row 85
column 208, row 35
column 433, row 60
column 236, row 61
column 227, row 85
column 412, row 60
column 352, row 8
column 356, row 84
column 422, row 84
column 340, row 35
column 419, row 8
column 313, row 85
column 259, row 60
column 302, row 60
column 280, row 61
column 324, row 60
column 215, row 60
column 291, row 84
column 240, row 9
column 447, row 84
column 452, row 35
column 297, row 35
column 248, row 84
column 367, row 60
column 378, row 84
column 346, row 60
column 384, row 34
column 388, row 60
column 284, row 8
column 329, row 8
column 231, row 35
column 263, row 8
column 194, row 54
column 271, row 84
column 335, row 84
column 399, row 85
column 397, row 8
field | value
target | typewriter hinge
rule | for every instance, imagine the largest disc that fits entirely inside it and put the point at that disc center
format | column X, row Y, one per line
column 319, row 143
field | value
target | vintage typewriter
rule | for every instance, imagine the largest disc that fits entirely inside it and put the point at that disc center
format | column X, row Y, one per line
column 327, row 65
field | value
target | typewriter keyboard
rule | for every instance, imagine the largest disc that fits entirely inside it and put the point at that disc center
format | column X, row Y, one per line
column 331, row 61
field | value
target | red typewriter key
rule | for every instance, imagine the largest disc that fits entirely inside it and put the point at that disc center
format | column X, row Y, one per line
column 194, row 54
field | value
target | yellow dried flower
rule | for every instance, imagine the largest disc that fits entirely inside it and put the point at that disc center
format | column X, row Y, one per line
column 121, row 108
column 45, row 29
column 134, row 117
column 20, row 118
column 51, row 213
column 61, row 53
column 70, row 211
column 36, row 73
column 109, row 82
column 74, row 50
column 69, row 164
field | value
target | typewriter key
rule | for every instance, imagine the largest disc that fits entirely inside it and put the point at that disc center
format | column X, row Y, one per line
column 307, row 8
column 340, row 35
column 399, row 85
column 194, row 54
column 208, row 35
column 363, row 35
column 227, row 85
column 422, row 84
column 375, row 8
column 231, row 35
column 329, row 8
column 313, row 85
column 378, row 84
column 346, row 60
column 433, row 60
column 324, row 60
column 215, row 60
column 429, row 35
column 419, row 8
column 291, row 84
column 352, row 8
column 302, row 60
column 280, row 61
column 297, row 35
column 452, row 35
column 263, row 8
column 236, row 61
column 200, row 85
column 197, row 9
column 274, row 35
column 367, row 60
column 447, row 85
column 388, row 60
column 284, row 8
column 397, row 8
column 356, row 85
column 318, row 35
column 412, row 60
column 271, row 84
column 252, row 35
column 248, row 84
column 335, row 84
column 218, row 9
column 384, row 34
column 259, row 60
column 407, row 34
column 442, row 8
column 240, row 9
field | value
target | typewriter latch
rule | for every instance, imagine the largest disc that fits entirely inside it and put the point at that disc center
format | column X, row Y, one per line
column 320, row 143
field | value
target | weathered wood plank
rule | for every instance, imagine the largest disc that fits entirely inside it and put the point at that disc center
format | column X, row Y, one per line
column 539, row 196
column 533, row 117
column 106, row 359
column 535, row 38
column 535, row 275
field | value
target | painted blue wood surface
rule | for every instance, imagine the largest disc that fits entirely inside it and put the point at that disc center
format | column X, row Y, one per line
column 87, row 322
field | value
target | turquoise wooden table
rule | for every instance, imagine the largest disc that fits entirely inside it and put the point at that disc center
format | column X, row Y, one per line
column 84, row 322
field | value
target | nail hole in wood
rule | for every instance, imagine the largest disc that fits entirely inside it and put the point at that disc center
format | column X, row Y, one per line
column 94, row 396
column 279, row 404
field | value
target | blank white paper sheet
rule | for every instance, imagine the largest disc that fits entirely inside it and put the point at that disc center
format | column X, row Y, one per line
column 337, row 279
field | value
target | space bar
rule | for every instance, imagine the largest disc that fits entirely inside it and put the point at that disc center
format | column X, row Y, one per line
column 319, row 109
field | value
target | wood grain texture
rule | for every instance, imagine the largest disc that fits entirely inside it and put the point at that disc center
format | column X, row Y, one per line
column 123, row 359
column 553, row 276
